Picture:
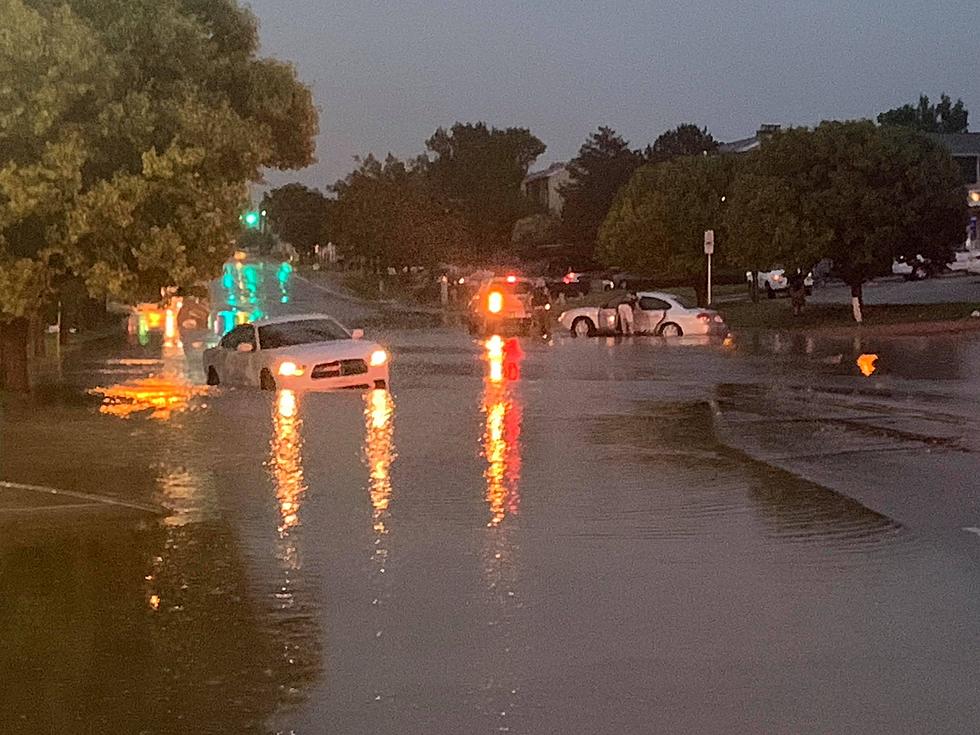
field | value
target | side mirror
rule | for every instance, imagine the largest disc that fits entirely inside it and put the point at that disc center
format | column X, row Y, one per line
column 357, row 334
column 245, row 347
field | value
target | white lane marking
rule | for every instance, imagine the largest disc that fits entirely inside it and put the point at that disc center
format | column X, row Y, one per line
column 972, row 529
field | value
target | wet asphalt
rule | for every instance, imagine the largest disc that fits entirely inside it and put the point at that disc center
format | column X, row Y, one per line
column 565, row 542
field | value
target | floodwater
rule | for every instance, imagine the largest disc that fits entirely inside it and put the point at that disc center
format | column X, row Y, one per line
column 524, row 537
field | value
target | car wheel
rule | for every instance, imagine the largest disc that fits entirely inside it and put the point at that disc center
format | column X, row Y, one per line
column 770, row 294
column 213, row 378
column 583, row 327
column 671, row 330
column 266, row 381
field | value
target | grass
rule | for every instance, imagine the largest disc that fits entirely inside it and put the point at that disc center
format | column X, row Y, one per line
column 778, row 314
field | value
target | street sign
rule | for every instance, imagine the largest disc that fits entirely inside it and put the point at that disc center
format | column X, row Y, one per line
column 709, row 242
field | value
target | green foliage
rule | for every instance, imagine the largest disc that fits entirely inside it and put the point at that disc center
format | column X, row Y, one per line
column 128, row 132
column 945, row 117
column 657, row 223
column 478, row 171
column 535, row 231
column 604, row 163
column 299, row 215
column 684, row 140
column 852, row 192
column 387, row 215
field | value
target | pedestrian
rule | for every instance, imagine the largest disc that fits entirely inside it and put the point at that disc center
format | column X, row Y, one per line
column 797, row 291
column 541, row 308
column 625, row 313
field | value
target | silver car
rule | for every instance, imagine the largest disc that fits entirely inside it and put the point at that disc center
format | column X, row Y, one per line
column 655, row 313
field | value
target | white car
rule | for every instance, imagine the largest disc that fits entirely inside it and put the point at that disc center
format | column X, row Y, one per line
column 776, row 281
column 656, row 313
column 307, row 352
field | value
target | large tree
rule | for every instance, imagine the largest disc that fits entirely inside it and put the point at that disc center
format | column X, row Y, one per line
column 945, row 117
column 299, row 215
column 852, row 192
column 129, row 130
column 657, row 223
column 604, row 163
column 478, row 171
column 387, row 215
column 686, row 139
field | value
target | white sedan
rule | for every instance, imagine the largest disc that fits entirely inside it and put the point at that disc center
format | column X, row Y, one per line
column 311, row 352
column 655, row 313
column 776, row 281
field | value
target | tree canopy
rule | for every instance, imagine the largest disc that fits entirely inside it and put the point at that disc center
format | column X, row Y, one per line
column 478, row 170
column 604, row 163
column 852, row 192
column 944, row 117
column 684, row 140
column 129, row 130
column 299, row 215
column 387, row 215
column 657, row 223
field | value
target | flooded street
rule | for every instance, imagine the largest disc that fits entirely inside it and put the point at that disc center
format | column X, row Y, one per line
column 558, row 538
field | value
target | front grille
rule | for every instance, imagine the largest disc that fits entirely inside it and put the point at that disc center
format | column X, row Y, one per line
column 341, row 368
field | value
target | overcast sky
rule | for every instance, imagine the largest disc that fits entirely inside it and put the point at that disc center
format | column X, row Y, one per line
column 385, row 75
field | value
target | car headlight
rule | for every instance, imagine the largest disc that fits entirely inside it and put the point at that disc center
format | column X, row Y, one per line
column 290, row 369
column 378, row 358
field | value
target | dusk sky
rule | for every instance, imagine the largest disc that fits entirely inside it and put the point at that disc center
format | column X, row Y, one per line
column 386, row 75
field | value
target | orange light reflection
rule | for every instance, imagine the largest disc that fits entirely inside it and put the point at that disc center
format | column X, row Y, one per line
column 867, row 364
column 287, row 460
column 502, row 431
column 163, row 395
column 379, row 450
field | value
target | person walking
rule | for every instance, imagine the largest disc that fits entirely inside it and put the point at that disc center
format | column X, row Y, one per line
column 625, row 313
column 797, row 292
column 541, row 309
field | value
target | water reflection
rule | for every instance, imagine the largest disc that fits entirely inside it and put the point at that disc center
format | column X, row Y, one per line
column 502, row 430
column 163, row 393
column 379, row 450
column 286, row 465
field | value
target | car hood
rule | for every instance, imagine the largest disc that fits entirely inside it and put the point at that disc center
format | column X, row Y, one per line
column 346, row 349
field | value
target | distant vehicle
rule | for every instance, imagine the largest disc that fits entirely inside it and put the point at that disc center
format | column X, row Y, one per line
column 311, row 352
column 966, row 260
column 501, row 304
column 915, row 269
column 775, row 282
column 656, row 313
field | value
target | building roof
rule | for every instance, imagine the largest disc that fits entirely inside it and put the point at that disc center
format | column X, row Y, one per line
column 740, row 146
column 960, row 144
column 547, row 173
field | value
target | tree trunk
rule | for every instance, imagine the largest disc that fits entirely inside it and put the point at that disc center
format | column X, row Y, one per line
column 14, row 342
column 857, row 302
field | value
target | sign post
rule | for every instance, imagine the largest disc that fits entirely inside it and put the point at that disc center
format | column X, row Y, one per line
column 709, row 249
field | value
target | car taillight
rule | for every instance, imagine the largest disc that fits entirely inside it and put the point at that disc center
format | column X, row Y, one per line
column 495, row 302
column 704, row 317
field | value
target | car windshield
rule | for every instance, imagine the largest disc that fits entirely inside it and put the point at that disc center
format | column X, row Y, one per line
column 302, row 332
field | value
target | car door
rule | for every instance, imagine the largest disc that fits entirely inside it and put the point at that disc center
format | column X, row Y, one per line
column 650, row 312
column 608, row 318
column 237, row 364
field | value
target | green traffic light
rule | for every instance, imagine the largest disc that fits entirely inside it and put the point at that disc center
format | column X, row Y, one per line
column 251, row 220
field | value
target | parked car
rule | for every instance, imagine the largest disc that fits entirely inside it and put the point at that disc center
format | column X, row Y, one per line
column 915, row 269
column 775, row 282
column 656, row 313
column 501, row 304
column 311, row 352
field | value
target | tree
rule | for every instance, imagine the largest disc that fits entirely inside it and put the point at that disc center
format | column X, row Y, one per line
column 684, row 140
column 478, row 171
column 129, row 130
column 946, row 117
column 604, row 164
column 658, row 221
column 387, row 215
column 851, row 192
column 533, row 232
column 299, row 215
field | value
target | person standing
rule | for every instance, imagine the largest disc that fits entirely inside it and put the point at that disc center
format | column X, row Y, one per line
column 797, row 292
column 625, row 313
